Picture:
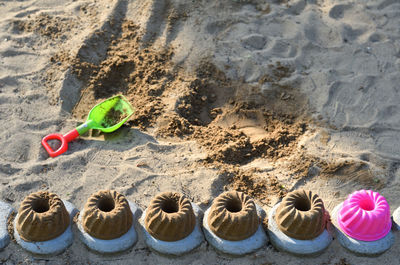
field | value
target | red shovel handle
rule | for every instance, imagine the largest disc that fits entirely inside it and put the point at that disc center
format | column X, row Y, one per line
column 60, row 150
column 64, row 139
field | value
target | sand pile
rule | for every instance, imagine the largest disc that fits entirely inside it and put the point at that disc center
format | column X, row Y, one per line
column 206, row 106
column 235, row 122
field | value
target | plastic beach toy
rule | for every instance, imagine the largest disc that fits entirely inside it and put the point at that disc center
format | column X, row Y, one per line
column 106, row 116
column 365, row 215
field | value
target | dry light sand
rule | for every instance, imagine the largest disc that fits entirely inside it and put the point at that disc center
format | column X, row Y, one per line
column 261, row 96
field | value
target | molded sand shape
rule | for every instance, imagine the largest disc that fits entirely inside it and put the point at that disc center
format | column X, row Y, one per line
column 5, row 212
column 298, row 224
column 363, row 223
column 233, row 224
column 106, row 222
column 43, row 223
column 171, row 224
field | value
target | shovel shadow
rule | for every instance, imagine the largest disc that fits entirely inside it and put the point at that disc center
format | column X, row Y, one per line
column 125, row 138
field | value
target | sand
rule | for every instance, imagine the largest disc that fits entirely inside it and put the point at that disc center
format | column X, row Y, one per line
column 259, row 96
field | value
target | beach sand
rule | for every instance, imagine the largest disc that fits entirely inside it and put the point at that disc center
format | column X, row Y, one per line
column 259, row 96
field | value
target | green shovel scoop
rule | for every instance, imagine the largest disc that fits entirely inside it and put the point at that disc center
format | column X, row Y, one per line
column 106, row 116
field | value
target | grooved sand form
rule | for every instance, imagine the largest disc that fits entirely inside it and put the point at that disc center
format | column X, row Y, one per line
column 233, row 216
column 301, row 215
column 170, row 217
column 53, row 246
column 298, row 247
column 42, row 216
column 107, row 215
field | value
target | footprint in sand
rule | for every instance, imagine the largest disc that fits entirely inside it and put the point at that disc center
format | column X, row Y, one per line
column 376, row 37
column 284, row 49
column 351, row 34
column 254, row 41
column 337, row 11
column 387, row 3
column 17, row 148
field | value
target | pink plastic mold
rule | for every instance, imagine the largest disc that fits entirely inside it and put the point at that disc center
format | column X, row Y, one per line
column 365, row 215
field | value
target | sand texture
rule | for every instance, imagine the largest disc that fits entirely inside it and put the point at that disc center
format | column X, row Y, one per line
column 259, row 96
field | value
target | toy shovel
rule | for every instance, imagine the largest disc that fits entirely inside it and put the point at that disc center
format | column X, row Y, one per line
column 106, row 116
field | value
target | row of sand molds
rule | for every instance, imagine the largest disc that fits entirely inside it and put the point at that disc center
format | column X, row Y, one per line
column 173, row 225
column 43, row 223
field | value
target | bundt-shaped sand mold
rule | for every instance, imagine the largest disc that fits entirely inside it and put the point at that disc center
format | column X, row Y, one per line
column 42, row 216
column 233, row 216
column 301, row 215
column 170, row 217
column 365, row 215
column 297, row 225
column 106, row 215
